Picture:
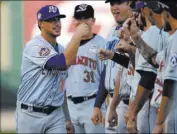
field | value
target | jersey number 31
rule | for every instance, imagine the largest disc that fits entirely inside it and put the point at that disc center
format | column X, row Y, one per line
column 89, row 76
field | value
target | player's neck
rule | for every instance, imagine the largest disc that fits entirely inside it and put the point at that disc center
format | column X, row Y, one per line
column 173, row 24
column 88, row 37
column 51, row 40
column 148, row 24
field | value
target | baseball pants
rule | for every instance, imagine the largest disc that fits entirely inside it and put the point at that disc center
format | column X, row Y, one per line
column 33, row 122
column 146, row 118
column 121, row 127
column 81, row 117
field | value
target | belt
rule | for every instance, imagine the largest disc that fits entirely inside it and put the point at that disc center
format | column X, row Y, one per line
column 125, row 100
column 46, row 109
column 77, row 100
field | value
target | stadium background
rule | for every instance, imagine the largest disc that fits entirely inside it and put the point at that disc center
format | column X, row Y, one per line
column 19, row 25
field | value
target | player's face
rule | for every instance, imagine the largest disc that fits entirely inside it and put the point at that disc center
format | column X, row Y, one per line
column 120, row 11
column 51, row 26
column 148, row 14
column 159, row 21
column 167, row 26
column 90, row 22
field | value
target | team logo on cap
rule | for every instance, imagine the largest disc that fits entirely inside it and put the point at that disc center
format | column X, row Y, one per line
column 52, row 9
column 44, row 51
column 82, row 7
column 173, row 60
column 39, row 16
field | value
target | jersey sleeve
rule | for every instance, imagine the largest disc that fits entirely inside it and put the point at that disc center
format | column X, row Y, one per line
column 39, row 54
column 171, row 61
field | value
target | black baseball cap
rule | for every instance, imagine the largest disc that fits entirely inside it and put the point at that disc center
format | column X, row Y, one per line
column 172, row 6
column 120, row 1
column 83, row 11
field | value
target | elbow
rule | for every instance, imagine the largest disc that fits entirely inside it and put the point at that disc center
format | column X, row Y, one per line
column 69, row 61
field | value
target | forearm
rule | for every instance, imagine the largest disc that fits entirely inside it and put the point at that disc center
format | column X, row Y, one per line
column 123, row 60
column 116, row 98
column 71, row 51
column 102, row 92
column 141, row 97
column 147, row 52
column 131, row 54
column 165, row 104
column 65, row 109
column 145, row 87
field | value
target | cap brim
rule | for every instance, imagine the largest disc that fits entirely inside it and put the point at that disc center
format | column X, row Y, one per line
column 107, row 1
column 62, row 16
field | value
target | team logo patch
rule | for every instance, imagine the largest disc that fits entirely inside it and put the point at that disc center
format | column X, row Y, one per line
column 173, row 60
column 93, row 49
column 44, row 51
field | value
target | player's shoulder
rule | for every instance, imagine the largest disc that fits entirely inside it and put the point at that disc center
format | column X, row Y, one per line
column 100, row 40
column 34, row 42
column 61, row 47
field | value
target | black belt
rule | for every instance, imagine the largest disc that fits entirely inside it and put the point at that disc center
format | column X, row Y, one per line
column 77, row 100
column 125, row 100
column 46, row 109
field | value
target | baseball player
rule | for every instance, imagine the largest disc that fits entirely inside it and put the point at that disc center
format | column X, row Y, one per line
column 146, row 108
column 150, row 58
column 121, row 10
column 40, row 98
column 84, row 75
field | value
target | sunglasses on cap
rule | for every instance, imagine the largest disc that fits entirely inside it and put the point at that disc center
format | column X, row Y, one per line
column 157, row 7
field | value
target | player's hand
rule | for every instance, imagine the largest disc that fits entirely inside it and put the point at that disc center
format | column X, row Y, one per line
column 82, row 30
column 126, row 117
column 130, row 27
column 105, row 54
column 121, row 34
column 158, row 129
column 112, row 118
column 96, row 116
column 132, row 125
column 69, row 127
column 123, row 46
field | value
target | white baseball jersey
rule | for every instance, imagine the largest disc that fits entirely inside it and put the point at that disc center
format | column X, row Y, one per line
column 40, row 86
column 111, row 67
column 84, row 76
column 154, row 38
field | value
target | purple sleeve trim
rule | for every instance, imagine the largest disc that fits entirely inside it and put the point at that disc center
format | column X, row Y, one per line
column 56, row 62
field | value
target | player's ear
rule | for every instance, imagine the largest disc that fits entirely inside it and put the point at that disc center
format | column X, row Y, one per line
column 39, row 24
column 94, row 20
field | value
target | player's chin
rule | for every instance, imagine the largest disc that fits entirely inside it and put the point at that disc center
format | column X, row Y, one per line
column 56, row 34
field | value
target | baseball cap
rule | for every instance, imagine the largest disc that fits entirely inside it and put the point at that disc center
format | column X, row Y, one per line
column 120, row 1
column 172, row 6
column 49, row 11
column 83, row 11
column 139, row 5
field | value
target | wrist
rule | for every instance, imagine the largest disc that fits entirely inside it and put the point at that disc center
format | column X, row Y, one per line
column 134, row 37
column 111, row 55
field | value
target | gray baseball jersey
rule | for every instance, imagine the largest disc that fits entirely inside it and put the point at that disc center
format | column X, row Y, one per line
column 111, row 67
column 39, row 86
column 158, row 87
column 171, row 58
column 154, row 37
column 84, row 76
